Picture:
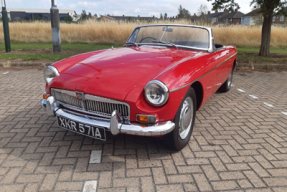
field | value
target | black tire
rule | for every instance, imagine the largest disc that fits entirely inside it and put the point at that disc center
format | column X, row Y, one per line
column 226, row 86
column 173, row 140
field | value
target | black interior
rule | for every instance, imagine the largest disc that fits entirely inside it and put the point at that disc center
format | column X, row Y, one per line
column 218, row 46
column 197, row 44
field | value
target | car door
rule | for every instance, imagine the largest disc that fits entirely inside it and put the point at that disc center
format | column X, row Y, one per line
column 225, row 65
column 221, row 57
column 211, row 79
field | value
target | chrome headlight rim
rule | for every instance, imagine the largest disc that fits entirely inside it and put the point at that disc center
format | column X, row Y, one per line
column 55, row 72
column 163, row 87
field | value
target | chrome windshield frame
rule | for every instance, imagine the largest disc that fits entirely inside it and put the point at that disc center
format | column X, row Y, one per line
column 210, row 35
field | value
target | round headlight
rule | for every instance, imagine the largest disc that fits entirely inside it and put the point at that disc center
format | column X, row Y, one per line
column 50, row 73
column 156, row 93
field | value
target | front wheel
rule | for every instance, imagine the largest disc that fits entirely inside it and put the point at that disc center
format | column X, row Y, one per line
column 226, row 86
column 184, row 122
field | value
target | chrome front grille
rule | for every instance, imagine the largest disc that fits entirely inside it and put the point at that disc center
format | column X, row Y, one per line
column 67, row 98
column 106, row 108
column 91, row 104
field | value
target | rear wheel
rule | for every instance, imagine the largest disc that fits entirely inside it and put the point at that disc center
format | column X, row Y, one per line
column 184, row 122
column 226, row 86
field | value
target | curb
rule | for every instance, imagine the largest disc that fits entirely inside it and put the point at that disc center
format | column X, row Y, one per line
column 24, row 64
column 255, row 66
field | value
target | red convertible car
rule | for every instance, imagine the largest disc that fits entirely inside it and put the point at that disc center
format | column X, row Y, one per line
column 152, row 86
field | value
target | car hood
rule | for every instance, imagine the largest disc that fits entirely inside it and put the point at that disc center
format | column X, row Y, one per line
column 115, row 72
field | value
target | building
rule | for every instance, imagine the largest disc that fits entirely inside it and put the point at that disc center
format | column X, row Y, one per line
column 279, row 19
column 233, row 18
column 212, row 18
column 38, row 14
column 255, row 18
column 252, row 18
column 126, row 18
column 215, row 18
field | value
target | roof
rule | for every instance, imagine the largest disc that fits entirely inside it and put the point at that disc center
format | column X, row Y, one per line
column 216, row 15
column 39, row 10
column 212, row 15
column 127, row 17
column 233, row 15
column 253, row 13
column 107, row 17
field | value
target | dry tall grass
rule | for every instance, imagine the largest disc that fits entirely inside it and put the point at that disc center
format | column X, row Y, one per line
column 118, row 33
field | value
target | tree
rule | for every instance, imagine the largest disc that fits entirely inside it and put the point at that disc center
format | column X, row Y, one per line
column 266, row 8
column 202, row 13
column 95, row 15
column 180, row 12
column 161, row 16
column 37, row 18
column 202, row 10
column 90, row 16
column 68, row 19
column 165, row 16
column 183, row 13
column 84, row 15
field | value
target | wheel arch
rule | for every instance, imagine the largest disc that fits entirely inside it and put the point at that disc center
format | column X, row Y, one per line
column 234, row 64
column 197, row 86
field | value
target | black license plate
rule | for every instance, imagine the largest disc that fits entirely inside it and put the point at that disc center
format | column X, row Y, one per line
column 81, row 128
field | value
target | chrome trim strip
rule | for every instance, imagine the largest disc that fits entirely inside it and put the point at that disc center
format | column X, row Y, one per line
column 211, row 37
column 203, row 75
column 194, row 26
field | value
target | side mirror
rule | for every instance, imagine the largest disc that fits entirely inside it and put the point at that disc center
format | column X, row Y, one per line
column 167, row 29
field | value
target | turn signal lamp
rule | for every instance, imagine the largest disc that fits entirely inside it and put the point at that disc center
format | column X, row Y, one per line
column 45, row 96
column 146, row 119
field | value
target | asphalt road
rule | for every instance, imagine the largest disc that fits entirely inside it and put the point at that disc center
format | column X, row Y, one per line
column 239, row 143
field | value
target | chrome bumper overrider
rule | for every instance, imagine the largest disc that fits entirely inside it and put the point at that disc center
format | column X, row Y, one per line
column 115, row 126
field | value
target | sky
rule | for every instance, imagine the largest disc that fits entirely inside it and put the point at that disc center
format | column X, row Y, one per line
column 123, row 7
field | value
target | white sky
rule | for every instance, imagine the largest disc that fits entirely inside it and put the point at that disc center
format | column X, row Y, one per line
column 123, row 7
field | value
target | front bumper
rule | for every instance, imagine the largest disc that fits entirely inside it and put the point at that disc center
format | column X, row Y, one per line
column 115, row 126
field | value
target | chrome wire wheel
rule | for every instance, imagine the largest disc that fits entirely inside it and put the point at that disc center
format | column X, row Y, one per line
column 186, row 118
column 229, row 81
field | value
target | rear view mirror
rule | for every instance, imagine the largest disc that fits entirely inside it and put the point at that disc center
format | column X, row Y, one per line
column 167, row 29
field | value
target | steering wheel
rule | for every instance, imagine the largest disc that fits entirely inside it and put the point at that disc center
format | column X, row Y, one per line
column 148, row 38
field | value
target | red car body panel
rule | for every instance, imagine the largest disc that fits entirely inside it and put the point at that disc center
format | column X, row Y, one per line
column 121, row 74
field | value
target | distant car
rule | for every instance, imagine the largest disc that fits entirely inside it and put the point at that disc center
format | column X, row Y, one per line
column 152, row 86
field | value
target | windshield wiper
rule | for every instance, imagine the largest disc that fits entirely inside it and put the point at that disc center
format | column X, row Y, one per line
column 130, row 42
column 163, row 42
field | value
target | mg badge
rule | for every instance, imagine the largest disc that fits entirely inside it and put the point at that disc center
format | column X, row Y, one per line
column 79, row 96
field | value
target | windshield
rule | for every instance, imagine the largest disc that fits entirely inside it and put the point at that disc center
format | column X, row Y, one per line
column 186, row 36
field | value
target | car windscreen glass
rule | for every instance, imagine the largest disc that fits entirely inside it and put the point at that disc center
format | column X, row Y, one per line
column 177, row 35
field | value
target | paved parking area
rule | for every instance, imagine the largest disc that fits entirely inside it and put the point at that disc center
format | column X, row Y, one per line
column 239, row 144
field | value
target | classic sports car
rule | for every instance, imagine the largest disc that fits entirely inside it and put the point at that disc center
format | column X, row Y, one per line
column 152, row 86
